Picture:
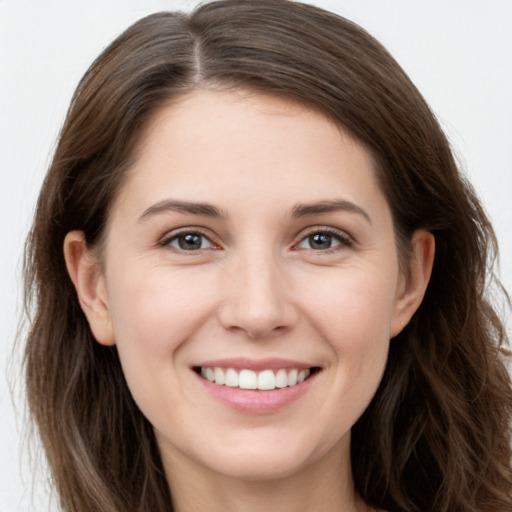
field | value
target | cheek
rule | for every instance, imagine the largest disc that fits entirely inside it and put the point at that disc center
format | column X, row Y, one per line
column 353, row 315
column 354, row 307
column 154, row 312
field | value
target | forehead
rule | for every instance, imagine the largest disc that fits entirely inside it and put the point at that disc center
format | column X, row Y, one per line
column 226, row 145
column 226, row 119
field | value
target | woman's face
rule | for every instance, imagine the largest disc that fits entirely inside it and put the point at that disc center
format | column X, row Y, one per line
column 250, row 245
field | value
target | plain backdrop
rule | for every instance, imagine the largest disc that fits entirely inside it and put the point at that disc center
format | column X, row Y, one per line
column 458, row 52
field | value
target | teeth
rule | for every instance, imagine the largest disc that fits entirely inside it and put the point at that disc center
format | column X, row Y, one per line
column 266, row 380
column 219, row 376
column 281, row 379
column 292, row 377
column 231, row 378
column 249, row 379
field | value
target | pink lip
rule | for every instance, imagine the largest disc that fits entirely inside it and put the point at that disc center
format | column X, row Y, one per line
column 256, row 401
column 256, row 365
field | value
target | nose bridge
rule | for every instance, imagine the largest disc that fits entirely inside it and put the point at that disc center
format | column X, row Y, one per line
column 257, row 299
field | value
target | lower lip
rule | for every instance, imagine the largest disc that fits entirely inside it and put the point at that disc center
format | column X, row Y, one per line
column 256, row 401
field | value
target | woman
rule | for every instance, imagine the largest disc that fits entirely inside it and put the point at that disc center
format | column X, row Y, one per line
column 259, row 280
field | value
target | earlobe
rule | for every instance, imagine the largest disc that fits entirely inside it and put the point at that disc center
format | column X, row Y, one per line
column 87, row 277
column 415, row 282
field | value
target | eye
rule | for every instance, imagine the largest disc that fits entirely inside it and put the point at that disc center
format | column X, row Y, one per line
column 324, row 240
column 188, row 241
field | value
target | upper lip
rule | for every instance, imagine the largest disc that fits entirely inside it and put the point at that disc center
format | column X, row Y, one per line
column 239, row 363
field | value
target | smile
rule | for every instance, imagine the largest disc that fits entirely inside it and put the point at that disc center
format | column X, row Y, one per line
column 256, row 386
column 265, row 380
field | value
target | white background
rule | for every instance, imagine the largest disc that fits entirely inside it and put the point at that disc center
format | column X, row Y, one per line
column 458, row 52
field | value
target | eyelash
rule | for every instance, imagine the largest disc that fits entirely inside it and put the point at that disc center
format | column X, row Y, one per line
column 345, row 241
column 175, row 236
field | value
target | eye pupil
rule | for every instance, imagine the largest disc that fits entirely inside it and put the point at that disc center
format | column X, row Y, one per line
column 190, row 241
column 320, row 241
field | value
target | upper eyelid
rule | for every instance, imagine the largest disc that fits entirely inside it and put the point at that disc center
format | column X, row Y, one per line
column 325, row 229
column 175, row 233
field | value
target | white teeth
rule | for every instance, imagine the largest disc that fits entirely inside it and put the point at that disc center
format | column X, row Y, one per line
column 281, row 379
column 292, row 377
column 219, row 376
column 231, row 378
column 266, row 380
column 249, row 379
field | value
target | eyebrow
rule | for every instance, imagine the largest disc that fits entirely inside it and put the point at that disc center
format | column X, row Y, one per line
column 186, row 207
column 208, row 210
column 333, row 205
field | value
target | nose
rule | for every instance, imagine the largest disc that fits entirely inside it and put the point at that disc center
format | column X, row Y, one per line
column 257, row 298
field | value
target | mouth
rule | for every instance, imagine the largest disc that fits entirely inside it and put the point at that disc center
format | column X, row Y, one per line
column 251, row 386
column 267, row 379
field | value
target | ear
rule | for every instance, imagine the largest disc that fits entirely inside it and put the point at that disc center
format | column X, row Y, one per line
column 413, row 283
column 85, row 273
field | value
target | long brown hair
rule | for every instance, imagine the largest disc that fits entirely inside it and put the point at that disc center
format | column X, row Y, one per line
column 436, row 436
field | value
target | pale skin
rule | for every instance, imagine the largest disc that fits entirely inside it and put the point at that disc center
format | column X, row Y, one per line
column 250, row 227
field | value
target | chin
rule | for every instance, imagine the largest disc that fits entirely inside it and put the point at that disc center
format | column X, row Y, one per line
column 260, row 467
column 268, row 459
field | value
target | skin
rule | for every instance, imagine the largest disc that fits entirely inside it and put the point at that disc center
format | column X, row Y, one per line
column 257, row 288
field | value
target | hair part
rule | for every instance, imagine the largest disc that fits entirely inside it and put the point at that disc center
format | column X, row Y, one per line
column 436, row 435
